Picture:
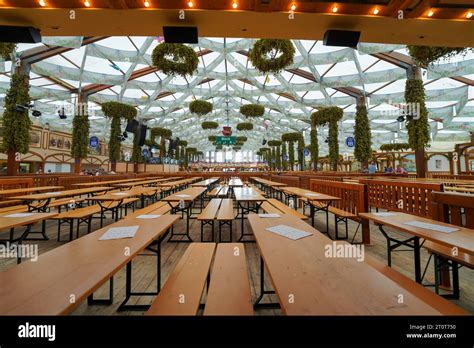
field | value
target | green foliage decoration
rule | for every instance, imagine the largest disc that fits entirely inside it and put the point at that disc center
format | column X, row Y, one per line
column 362, row 135
column 252, row 110
column 284, row 162
column 395, row 147
column 244, row 126
column 212, row 138
column 6, row 49
column 80, row 135
column 314, row 147
column 427, row 55
column 272, row 55
column 301, row 151
column 200, row 107
column 175, row 59
column 241, row 138
column 209, row 125
column 418, row 128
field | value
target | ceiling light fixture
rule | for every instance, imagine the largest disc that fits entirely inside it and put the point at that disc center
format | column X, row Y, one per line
column 235, row 5
column 469, row 15
column 376, row 11
column 190, row 4
column 334, row 9
column 87, row 3
column 146, row 3
column 293, row 6
column 430, row 13
column 42, row 3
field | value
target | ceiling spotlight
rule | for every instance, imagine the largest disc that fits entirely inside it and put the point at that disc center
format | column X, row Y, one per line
column 293, row 6
column 469, row 15
column 42, row 3
column 36, row 113
column 87, row 3
column 376, row 11
column 190, row 4
column 334, row 9
column 235, row 5
column 146, row 3
column 430, row 13
column 400, row 119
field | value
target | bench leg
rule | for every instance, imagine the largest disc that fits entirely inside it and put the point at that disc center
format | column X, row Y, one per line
column 103, row 302
column 264, row 292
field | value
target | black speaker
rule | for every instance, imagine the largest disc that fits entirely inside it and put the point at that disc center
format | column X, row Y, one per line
column 180, row 35
column 131, row 126
column 141, row 134
column 17, row 34
column 343, row 38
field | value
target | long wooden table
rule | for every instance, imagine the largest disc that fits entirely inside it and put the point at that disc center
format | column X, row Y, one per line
column 77, row 268
column 463, row 239
column 107, row 183
column 249, row 200
column 185, row 200
column 27, row 190
column 267, row 185
column 309, row 282
column 205, row 183
column 148, row 182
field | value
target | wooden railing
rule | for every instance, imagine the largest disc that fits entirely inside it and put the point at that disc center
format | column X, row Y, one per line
column 286, row 179
column 453, row 208
column 69, row 181
column 406, row 196
column 453, row 177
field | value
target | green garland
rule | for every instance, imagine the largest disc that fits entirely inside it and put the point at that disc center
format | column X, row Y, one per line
column 314, row 146
column 16, row 125
column 330, row 115
column 6, row 50
column 278, row 157
column 426, row 55
column 418, row 129
column 291, row 138
column 218, row 147
column 183, row 143
column 244, row 126
column 137, row 150
column 209, row 125
column 184, row 60
column 241, row 138
column 395, row 147
column 160, row 132
column 252, row 110
column 266, row 154
column 80, row 136
column 239, row 143
column 301, row 151
column 200, row 107
column 284, row 162
column 114, row 140
column 362, row 135
column 236, row 148
column 273, row 143
column 212, row 138
column 281, row 54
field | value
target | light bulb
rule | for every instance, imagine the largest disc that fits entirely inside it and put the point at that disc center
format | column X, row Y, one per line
column 334, row 9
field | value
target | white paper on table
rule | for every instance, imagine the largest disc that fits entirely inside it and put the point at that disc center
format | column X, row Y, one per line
column 119, row 194
column 288, row 232
column 149, row 216
column 182, row 196
column 119, row 233
column 52, row 193
column 269, row 215
column 312, row 194
column 383, row 214
column 434, row 227
column 18, row 215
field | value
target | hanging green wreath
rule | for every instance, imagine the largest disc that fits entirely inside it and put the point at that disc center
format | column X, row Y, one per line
column 161, row 132
column 244, row 126
column 241, row 138
column 272, row 55
column 175, row 59
column 200, row 107
column 426, row 55
column 330, row 115
column 395, row 147
column 16, row 124
column 209, row 125
column 252, row 110
column 6, row 50
column 418, row 128
column 362, row 135
column 212, row 138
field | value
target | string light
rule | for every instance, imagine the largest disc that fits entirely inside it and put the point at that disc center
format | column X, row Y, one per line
column 293, row 6
column 431, row 13
column 469, row 15
column 376, row 11
column 334, row 9
column 146, row 3
column 42, row 3
column 235, row 5
column 87, row 3
column 190, row 4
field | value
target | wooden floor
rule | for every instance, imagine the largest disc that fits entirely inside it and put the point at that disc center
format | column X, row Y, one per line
column 144, row 269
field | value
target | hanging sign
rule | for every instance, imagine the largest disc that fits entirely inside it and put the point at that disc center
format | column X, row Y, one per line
column 350, row 141
column 93, row 142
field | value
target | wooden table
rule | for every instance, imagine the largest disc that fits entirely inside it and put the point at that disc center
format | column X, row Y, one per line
column 130, row 185
column 308, row 282
column 459, row 189
column 463, row 239
column 44, row 199
column 79, row 267
column 28, row 190
column 311, row 198
column 249, row 200
column 107, row 183
column 267, row 185
column 205, row 183
column 11, row 221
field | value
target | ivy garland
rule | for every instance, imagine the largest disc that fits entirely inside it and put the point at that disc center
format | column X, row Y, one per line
column 218, row 147
column 80, row 136
column 137, row 150
column 418, row 129
column 183, row 143
column 117, row 111
column 284, row 162
column 301, row 151
column 362, row 135
column 244, row 126
column 175, row 59
column 272, row 55
column 16, row 125
column 6, row 50
column 291, row 138
column 252, row 110
column 200, row 107
column 314, row 146
column 160, row 132
column 273, row 143
column 209, row 125
column 330, row 115
column 395, row 147
column 426, row 55
column 278, row 157
column 212, row 138
column 236, row 148
column 241, row 138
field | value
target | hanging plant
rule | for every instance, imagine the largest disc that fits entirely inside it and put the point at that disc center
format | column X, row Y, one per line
column 239, row 143
column 274, row 143
column 80, row 136
column 244, row 126
column 314, row 146
column 362, row 135
column 330, row 115
column 291, row 138
column 218, row 147
column 418, row 128
column 212, row 138
column 183, row 143
column 6, row 50
column 191, row 150
column 284, row 160
column 236, row 148
column 278, row 157
column 160, row 132
column 272, row 55
column 252, row 110
column 209, row 125
column 175, row 59
column 395, row 147
column 241, row 138
column 426, row 55
column 137, row 156
column 16, row 124
column 301, row 151
column 200, row 107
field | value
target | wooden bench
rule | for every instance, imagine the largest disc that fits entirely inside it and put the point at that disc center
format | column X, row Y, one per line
column 58, row 203
column 274, row 206
column 9, row 203
column 82, row 215
column 225, row 216
column 14, row 209
column 208, row 216
column 229, row 288
column 182, row 292
column 456, row 209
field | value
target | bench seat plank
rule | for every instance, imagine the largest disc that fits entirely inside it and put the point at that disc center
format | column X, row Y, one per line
column 210, row 212
column 442, row 250
column 286, row 209
column 226, row 210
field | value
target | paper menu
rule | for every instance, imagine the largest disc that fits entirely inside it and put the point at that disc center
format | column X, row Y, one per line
column 149, row 216
column 52, row 193
column 269, row 215
column 385, row 214
column 434, row 227
column 288, row 232
column 182, row 196
column 119, row 194
column 312, row 194
column 18, row 215
column 119, row 233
